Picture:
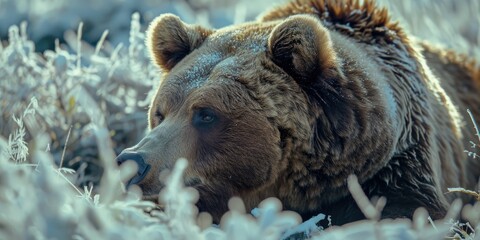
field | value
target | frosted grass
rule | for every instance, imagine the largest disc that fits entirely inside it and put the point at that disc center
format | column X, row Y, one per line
column 96, row 84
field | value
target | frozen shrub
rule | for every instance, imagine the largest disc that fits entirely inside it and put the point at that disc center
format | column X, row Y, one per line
column 91, row 102
column 474, row 143
column 76, row 89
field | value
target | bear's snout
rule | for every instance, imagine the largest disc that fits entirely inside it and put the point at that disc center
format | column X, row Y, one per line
column 143, row 167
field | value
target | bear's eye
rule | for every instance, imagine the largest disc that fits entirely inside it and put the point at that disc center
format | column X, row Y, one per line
column 204, row 118
column 159, row 117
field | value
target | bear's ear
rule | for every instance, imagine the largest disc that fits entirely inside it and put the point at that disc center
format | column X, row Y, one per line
column 170, row 40
column 301, row 45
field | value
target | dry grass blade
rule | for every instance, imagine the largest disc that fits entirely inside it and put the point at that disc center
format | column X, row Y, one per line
column 474, row 194
column 368, row 209
column 113, row 83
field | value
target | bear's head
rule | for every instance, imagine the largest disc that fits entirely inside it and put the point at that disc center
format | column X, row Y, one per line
column 240, row 104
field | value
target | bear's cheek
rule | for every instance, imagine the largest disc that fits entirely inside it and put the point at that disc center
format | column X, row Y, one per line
column 244, row 171
column 243, row 158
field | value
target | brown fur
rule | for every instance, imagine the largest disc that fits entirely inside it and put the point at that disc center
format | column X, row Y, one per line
column 312, row 92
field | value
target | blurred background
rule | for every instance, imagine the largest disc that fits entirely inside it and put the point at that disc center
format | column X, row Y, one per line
column 437, row 20
column 86, row 66
column 50, row 19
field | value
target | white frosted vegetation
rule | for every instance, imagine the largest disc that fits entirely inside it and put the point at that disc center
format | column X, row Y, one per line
column 39, row 201
column 77, row 105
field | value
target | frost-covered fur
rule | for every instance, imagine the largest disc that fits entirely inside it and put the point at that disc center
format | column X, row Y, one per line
column 38, row 203
column 292, row 104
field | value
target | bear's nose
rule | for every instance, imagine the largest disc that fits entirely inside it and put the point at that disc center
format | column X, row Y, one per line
column 143, row 167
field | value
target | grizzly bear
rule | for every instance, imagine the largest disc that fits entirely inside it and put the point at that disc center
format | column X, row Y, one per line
column 290, row 105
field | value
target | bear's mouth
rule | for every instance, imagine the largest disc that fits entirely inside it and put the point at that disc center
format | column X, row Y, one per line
column 191, row 182
column 151, row 198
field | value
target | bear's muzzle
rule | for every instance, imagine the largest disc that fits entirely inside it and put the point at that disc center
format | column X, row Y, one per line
column 143, row 167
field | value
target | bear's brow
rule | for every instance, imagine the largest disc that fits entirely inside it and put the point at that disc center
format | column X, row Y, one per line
column 195, row 74
column 171, row 97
